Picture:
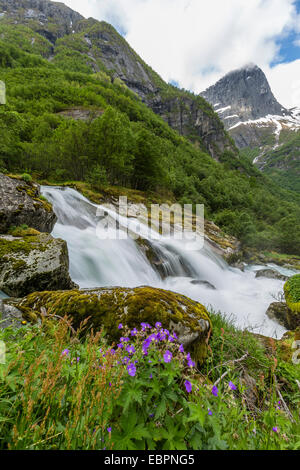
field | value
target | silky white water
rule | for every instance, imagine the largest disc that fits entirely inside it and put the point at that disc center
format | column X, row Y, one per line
column 96, row 262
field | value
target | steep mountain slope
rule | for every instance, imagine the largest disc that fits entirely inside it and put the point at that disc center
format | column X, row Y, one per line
column 68, row 116
column 89, row 46
column 282, row 164
column 255, row 120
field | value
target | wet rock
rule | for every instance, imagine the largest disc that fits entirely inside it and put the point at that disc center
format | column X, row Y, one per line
column 20, row 204
column 271, row 274
column 280, row 312
column 207, row 284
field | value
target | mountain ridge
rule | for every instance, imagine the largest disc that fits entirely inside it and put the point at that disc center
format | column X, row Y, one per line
column 97, row 47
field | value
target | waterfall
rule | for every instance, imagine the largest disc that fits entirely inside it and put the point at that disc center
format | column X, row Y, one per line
column 200, row 274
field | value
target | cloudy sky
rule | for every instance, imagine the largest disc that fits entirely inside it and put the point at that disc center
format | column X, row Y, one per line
column 193, row 43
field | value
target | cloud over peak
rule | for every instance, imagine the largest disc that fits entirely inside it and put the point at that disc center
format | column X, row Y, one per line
column 196, row 42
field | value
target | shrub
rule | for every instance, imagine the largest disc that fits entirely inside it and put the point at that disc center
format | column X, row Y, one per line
column 26, row 177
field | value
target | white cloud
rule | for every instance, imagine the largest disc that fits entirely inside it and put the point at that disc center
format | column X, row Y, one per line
column 285, row 82
column 196, row 42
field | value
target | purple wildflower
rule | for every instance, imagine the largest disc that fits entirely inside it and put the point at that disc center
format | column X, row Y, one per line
column 109, row 429
column 120, row 326
column 120, row 346
column 167, row 356
column 130, row 349
column 124, row 340
column 214, row 391
column 158, row 324
column 191, row 363
column 275, row 429
column 131, row 370
column 181, row 348
column 65, row 352
column 210, row 412
column 232, row 386
column 188, row 386
column 133, row 332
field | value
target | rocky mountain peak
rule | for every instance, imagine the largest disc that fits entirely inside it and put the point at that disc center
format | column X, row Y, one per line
column 243, row 95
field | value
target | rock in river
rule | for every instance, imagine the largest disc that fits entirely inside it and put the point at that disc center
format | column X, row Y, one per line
column 21, row 203
column 33, row 263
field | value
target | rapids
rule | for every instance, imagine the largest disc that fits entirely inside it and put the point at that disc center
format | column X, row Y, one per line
column 98, row 262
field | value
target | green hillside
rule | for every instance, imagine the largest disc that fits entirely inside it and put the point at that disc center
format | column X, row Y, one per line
column 283, row 163
column 62, row 124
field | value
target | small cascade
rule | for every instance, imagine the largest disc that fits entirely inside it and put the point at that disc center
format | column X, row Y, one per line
column 97, row 260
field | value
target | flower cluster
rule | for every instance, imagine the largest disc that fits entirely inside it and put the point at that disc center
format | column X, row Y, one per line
column 137, row 344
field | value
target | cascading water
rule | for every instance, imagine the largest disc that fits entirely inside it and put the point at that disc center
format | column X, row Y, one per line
column 199, row 274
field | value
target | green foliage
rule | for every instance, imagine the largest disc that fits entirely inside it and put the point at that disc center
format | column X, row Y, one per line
column 26, row 39
column 125, row 144
column 26, row 177
column 98, row 177
column 292, row 293
column 61, row 390
column 282, row 163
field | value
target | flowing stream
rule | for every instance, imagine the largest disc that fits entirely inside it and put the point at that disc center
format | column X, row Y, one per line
column 98, row 262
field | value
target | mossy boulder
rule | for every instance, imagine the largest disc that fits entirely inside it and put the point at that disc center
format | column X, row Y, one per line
column 280, row 312
column 292, row 297
column 33, row 263
column 108, row 307
column 21, row 203
column 289, row 347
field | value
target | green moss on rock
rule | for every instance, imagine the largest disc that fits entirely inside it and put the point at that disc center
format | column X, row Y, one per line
column 292, row 297
column 107, row 307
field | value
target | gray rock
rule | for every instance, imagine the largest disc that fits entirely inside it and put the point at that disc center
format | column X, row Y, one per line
column 33, row 263
column 10, row 315
column 239, row 265
column 203, row 283
column 271, row 274
column 20, row 204
column 253, row 117
column 248, row 94
column 280, row 312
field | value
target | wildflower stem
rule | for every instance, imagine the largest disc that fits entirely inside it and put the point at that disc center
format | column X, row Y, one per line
column 283, row 402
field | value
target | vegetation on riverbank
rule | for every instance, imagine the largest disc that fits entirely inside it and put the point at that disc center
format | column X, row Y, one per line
column 61, row 390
